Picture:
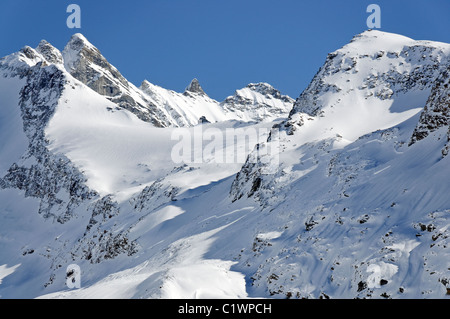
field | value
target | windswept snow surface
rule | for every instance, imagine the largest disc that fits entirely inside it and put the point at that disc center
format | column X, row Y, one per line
column 14, row 142
column 121, row 154
column 6, row 271
column 190, row 105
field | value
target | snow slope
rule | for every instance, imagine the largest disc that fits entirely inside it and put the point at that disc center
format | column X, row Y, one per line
column 351, row 194
column 258, row 101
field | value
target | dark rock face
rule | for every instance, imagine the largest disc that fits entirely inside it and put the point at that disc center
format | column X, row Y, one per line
column 100, row 242
column 195, row 87
column 157, row 193
column 248, row 175
column 436, row 113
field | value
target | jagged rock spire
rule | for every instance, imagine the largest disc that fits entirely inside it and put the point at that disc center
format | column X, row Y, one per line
column 195, row 87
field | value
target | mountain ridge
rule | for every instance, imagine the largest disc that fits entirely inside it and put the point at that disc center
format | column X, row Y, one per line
column 86, row 63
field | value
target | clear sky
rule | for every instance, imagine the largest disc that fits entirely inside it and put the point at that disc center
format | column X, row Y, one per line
column 226, row 44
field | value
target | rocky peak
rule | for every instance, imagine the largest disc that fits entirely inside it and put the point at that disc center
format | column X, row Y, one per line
column 86, row 63
column 150, row 89
column 19, row 63
column 374, row 64
column 258, row 102
column 268, row 91
column 261, row 87
column 195, row 87
column 146, row 86
column 50, row 53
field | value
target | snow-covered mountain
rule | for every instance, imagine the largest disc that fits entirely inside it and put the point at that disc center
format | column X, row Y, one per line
column 258, row 101
column 360, row 194
column 151, row 103
column 353, row 204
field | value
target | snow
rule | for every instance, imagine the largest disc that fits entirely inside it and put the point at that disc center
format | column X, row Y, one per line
column 19, row 59
column 255, row 102
column 356, row 117
column 196, row 278
column 404, row 248
column 22, row 231
column 269, row 235
column 191, row 106
column 156, row 218
column 103, row 143
column 14, row 141
column 372, row 41
column 5, row 271
column 375, row 40
column 378, row 272
column 187, row 275
column 121, row 154
column 370, row 194
column 71, row 53
column 361, row 225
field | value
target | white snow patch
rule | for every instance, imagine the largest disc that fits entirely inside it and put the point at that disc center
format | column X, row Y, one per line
column 380, row 271
column 5, row 271
column 269, row 235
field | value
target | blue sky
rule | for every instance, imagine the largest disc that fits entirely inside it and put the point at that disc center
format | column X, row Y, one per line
column 225, row 44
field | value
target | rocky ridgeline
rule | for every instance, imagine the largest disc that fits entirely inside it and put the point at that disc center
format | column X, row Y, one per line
column 436, row 113
column 369, row 72
column 40, row 173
